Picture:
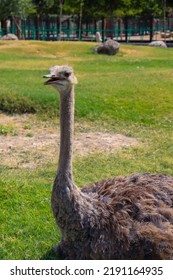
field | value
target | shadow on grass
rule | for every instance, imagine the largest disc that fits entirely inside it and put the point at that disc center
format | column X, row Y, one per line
column 50, row 255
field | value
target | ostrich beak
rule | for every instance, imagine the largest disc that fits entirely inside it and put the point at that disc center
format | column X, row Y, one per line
column 47, row 76
column 51, row 78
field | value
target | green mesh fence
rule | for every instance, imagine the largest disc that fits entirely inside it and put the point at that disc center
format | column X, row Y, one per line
column 71, row 34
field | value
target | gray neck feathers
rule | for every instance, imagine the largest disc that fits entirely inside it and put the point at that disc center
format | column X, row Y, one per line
column 66, row 131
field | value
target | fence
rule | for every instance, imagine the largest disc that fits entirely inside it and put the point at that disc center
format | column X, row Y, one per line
column 123, row 30
column 74, row 34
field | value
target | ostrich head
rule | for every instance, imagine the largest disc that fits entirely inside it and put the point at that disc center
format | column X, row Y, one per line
column 61, row 78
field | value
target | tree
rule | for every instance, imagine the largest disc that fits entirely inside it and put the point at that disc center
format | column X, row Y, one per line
column 149, row 10
column 128, row 9
column 15, row 8
column 43, row 6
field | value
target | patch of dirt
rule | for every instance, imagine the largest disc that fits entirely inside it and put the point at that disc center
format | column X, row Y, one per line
column 36, row 143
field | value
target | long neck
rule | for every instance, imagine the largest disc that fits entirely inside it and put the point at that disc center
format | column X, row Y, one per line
column 66, row 132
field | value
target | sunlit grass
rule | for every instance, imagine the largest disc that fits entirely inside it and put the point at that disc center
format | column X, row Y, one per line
column 136, row 85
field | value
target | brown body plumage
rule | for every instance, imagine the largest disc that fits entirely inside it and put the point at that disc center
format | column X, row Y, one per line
column 122, row 218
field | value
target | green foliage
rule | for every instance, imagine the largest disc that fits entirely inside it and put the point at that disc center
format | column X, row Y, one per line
column 90, row 8
column 15, row 8
column 118, row 8
column 74, row 8
column 43, row 7
column 24, row 8
column 12, row 103
column 6, row 8
column 151, row 7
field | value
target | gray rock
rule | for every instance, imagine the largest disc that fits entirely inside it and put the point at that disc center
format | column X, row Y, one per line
column 109, row 47
column 160, row 44
column 9, row 36
column 98, row 37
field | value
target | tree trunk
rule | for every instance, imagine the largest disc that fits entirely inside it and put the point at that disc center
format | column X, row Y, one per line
column 60, row 21
column 23, row 26
column 47, row 28
column 4, row 26
column 120, row 28
column 126, row 28
column 103, row 29
column 37, row 27
column 110, row 27
column 12, row 24
column 78, row 25
column 29, row 29
column 87, row 25
column 19, row 30
column 151, row 28
column 80, row 21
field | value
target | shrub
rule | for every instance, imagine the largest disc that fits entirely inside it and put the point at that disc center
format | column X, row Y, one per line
column 13, row 103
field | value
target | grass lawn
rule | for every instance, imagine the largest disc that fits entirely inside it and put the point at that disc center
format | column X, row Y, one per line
column 129, row 94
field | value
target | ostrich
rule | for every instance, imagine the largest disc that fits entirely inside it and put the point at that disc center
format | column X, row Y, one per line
column 128, row 217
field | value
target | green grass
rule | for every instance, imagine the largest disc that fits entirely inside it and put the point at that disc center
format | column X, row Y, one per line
column 130, row 93
column 7, row 130
column 27, row 226
column 133, row 86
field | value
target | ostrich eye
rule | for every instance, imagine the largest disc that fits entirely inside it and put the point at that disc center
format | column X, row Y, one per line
column 66, row 74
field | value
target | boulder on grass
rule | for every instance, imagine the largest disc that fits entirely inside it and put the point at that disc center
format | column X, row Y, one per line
column 9, row 36
column 160, row 44
column 109, row 47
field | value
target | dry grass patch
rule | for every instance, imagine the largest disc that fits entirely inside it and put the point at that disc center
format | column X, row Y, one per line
column 36, row 142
